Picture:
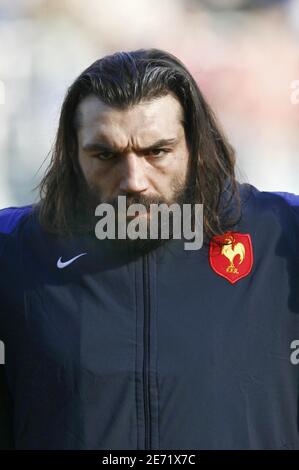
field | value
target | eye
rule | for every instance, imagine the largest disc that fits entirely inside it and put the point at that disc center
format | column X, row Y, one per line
column 105, row 155
column 158, row 152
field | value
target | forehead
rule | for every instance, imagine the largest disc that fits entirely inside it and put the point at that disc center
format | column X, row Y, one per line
column 145, row 121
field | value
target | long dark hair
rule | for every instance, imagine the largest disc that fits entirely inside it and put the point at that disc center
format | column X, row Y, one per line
column 123, row 79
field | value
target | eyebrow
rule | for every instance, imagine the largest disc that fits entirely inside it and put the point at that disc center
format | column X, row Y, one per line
column 101, row 147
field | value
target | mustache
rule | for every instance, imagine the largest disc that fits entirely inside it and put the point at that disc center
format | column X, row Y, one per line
column 146, row 201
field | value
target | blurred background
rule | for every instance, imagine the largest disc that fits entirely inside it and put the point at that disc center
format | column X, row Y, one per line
column 244, row 55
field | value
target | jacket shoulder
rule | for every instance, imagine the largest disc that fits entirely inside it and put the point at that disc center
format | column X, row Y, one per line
column 12, row 217
column 276, row 212
column 291, row 199
column 284, row 204
column 270, row 200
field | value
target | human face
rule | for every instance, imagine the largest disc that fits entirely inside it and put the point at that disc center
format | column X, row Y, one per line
column 139, row 152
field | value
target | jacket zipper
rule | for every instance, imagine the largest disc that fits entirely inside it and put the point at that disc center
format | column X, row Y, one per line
column 147, row 410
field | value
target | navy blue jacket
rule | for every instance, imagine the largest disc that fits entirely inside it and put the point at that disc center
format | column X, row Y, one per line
column 116, row 351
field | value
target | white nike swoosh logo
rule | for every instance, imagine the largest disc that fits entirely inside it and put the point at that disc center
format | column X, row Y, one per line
column 64, row 264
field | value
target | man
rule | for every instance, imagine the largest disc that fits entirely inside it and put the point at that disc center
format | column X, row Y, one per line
column 137, row 343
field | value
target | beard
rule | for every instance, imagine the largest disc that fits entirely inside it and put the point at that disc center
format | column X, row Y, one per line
column 183, row 192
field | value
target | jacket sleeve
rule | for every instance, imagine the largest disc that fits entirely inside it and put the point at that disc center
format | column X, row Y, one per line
column 6, row 408
column 6, row 414
column 9, row 220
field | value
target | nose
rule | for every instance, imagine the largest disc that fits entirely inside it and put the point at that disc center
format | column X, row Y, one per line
column 133, row 177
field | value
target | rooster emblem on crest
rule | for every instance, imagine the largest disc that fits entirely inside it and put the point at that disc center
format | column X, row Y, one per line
column 230, row 250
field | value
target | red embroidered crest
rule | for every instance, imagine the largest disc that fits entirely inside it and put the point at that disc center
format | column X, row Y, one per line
column 231, row 255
